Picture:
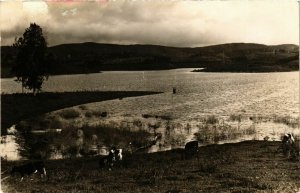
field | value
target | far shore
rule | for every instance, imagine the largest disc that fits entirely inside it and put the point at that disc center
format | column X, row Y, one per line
column 89, row 57
column 274, row 69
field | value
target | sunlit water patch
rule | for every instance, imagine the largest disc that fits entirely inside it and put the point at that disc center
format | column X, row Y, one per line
column 9, row 148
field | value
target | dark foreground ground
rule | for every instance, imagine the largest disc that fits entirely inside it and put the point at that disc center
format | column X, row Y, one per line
column 248, row 166
column 17, row 107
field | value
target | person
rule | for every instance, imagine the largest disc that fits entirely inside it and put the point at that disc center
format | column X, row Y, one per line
column 174, row 90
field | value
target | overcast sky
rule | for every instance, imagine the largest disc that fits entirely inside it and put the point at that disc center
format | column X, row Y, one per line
column 161, row 22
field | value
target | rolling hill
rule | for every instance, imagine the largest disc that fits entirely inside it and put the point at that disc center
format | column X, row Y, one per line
column 94, row 57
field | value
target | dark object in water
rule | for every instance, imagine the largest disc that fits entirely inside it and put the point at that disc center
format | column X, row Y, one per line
column 103, row 114
column 174, row 90
column 146, row 116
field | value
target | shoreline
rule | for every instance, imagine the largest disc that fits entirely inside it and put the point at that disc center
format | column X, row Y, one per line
column 18, row 106
column 208, row 70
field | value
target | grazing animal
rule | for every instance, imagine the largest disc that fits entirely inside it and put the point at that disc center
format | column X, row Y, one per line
column 190, row 149
column 288, row 146
column 109, row 160
column 29, row 169
column 118, row 154
column 288, row 138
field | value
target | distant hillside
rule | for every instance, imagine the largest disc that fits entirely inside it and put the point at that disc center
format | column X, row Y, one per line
column 93, row 57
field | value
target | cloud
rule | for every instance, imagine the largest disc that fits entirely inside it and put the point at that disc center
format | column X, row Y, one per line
column 171, row 23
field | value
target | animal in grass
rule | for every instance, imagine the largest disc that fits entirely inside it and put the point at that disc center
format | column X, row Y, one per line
column 191, row 149
column 108, row 161
column 29, row 169
column 292, row 147
column 118, row 154
column 288, row 139
column 288, row 146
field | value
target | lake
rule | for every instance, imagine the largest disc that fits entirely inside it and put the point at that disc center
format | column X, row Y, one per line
column 198, row 95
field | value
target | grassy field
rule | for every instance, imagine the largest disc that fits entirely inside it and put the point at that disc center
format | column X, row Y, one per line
column 249, row 166
column 17, row 107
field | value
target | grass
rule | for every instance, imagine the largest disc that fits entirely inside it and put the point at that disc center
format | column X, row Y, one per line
column 211, row 119
column 234, row 117
column 162, row 117
column 94, row 113
column 83, row 107
column 287, row 120
column 17, row 107
column 67, row 141
column 241, row 167
column 208, row 133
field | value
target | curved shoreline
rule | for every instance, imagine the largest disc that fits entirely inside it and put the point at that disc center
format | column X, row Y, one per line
column 16, row 107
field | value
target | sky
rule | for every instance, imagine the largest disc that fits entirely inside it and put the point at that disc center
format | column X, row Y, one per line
column 179, row 23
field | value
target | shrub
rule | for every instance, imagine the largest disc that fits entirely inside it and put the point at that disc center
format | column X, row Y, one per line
column 250, row 130
column 234, row 117
column 287, row 120
column 82, row 107
column 88, row 114
column 69, row 114
column 138, row 123
column 107, row 135
column 208, row 133
column 212, row 119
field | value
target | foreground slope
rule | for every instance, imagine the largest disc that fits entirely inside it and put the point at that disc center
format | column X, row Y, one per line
column 249, row 166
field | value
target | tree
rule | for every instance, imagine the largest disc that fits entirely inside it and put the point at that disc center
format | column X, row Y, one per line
column 30, row 64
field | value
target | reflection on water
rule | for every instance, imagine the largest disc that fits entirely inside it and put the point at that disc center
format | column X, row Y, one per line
column 9, row 148
column 197, row 95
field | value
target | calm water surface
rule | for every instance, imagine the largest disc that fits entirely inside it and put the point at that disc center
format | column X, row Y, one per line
column 198, row 94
